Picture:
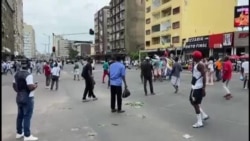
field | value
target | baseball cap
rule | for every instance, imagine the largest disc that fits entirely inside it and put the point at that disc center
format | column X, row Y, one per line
column 147, row 58
column 197, row 54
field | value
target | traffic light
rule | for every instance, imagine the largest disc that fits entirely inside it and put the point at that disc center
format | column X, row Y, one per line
column 91, row 31
column 53, row 49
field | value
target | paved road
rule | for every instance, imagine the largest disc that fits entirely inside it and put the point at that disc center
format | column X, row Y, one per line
column 61, row 116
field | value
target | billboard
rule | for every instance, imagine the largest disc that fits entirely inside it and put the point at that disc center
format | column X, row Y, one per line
column 241, row 16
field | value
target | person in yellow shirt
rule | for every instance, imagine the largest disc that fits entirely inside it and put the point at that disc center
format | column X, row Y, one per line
column 218, row 68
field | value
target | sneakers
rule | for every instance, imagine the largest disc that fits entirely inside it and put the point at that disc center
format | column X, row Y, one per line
column 19, row 136
column 228, row 96
column 197, row 125
column 30, row 138
column 120, row 111
column 205, row 118
column 95, row 99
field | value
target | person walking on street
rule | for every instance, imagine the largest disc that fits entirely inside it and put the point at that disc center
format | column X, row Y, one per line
column 218, row 68
column 55, row 72
column 89, row 81
column 227, row 75
column 24, row 87
column 47, row 73
column 245, row 74
column 210, row 72
column 76, row 71
column 8, row 68
column 38, row 67
column 117, row 74
column 175, row 74
column 147, row 71
column 105, row 70
column 198, row 88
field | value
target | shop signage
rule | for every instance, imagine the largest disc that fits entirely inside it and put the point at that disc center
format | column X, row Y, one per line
column 216, row 40
column 241, row 15
column 241, row 39
column 228, row 39
column 197, row 42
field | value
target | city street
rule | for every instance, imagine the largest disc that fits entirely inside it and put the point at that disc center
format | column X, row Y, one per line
column 62, row 116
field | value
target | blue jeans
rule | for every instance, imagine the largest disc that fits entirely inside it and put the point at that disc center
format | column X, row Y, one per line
column 24, row 116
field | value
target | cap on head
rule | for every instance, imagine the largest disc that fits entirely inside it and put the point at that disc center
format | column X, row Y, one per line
column 197, row 54
column 147, row 58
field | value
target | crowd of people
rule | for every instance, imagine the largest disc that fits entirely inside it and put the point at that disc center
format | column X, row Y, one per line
column 156, row 68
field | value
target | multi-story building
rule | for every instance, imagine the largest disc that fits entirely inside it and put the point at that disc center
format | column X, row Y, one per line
column 56, row 39
column 170, row 23
column 29, row 41
column 7, row 28
column 63, row 47
column 18, row 26
column 101, row 31
column 126, row 25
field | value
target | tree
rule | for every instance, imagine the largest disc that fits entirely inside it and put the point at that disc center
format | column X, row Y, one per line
column 72, row 53
column 134, row 55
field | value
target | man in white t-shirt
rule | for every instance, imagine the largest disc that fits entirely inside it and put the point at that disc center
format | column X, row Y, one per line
column 55, row 72
column 24, row 87
column 245, row 73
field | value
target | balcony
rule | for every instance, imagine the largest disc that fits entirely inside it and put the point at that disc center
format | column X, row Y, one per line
column 156, row 16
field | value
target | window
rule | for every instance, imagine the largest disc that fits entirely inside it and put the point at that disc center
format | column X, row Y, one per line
column 176, row 10
column 156, row 28
column 176, row 25
column 176, row 39
column 165, row 1
column 166, row 25
column 157, row 16
column 166, row 12
column 148, row 9
column 156, row 40
column 156, row 4
column 147, row 43
column 148, row 21
column 166, row 39
column 147, row 32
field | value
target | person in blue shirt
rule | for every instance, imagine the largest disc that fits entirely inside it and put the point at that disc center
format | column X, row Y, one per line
column 117, row 75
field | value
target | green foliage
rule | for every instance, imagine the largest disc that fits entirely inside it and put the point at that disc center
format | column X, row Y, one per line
column 144, row 55
column 72, row 53
column 134, row 55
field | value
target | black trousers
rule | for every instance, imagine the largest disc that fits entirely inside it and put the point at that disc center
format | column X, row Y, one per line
column 47, row 82
column 89, row 87
column 149, row 79
column 116, row 94
column 55, row 79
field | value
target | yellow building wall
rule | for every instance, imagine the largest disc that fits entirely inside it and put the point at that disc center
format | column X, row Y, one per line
column 206, row 17
column 197, row 18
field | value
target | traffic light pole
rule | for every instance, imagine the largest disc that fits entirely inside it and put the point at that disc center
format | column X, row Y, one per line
column 91, row 32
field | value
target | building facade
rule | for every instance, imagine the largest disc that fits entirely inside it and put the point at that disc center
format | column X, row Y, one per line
column 101, row 31
column 63, row 46
column 29, row 41
column 18, row 26
column 170, row 24
column 7, row 28
column 126, row 24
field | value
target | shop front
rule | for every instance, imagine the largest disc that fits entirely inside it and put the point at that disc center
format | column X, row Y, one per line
column 196, row 43
column 220, row 45
column 241, row 42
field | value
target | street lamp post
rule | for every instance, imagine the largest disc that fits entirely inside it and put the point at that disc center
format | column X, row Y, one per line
column 48, row 40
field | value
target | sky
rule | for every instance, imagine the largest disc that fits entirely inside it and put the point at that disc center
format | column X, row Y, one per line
column 64, row 17
column 60, row 17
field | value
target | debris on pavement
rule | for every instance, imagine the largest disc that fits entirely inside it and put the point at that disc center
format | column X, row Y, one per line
column 74, row 129
column 141, row 116
column 114, row 124
column 91, row 134
column 136, row 105
column 187, row 136
column 102, row 125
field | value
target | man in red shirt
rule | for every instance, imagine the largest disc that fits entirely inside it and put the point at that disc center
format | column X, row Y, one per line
column 47, row 72
column 227, row 75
